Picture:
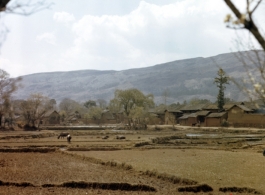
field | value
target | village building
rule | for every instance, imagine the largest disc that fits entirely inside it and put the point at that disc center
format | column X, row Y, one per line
column 257, row 106
column 214, row 107
column 193, row 115
column 242, row 116
column 107, row 117
column 171, row 116
column 239, row 109
column 192, row 119
column 201, row 115
column 183, row 120
column 211, row 108
column 119, row 116
column 192, row 108
column 157, row 117
column 215, row 119
column 188, row 119
column 51, row 118
column 73, row 118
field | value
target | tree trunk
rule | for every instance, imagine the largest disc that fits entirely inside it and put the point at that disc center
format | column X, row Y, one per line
column 1, row 119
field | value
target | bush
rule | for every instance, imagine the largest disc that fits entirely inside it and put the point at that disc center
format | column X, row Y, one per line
column 29, row 128
column 225, row 124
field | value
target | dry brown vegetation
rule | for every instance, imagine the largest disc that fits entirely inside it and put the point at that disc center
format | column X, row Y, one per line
column 179, row 161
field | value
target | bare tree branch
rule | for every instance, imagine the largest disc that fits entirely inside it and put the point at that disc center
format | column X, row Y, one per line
column 20, row 7
column 248, row 23
column 3, row 4
column 233, row 8
column 26, row 8
column 256, row 6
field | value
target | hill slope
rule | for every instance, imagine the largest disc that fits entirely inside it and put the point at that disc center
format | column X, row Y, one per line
column 183, row 79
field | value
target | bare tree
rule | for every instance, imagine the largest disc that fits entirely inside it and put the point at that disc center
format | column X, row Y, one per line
column 34, row 109
column 23, row 7
column 69, row 106
column 166, row 94
column 253, row 84
column 20, row 7
column 102, row 103
column 7, row 87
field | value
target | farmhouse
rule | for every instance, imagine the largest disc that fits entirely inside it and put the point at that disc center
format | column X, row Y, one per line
column 73, row 118
column 192, row 108
column 242, row 116
column 107, row 117
column 215, row 119
column 188, row 119
column 211, row 107
column 257, row 106
column 201, row 116
column 214, row 107
column 158, row 117
column 183, row 120
column 197, row 118
column 119, row 116
column 51, row 118
column 171, row 116
column 239, row 109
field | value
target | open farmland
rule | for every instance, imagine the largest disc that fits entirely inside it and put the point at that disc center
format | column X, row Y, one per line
column 161, row 161
column 216, row 168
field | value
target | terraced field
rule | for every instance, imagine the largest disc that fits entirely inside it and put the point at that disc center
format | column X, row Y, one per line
column 168, row 161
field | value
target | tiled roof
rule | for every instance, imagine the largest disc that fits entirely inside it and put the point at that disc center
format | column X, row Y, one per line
column 216, row 115
column 184, row 117
column 211, row 106
column 215, row 106
column 170, row 110
column 242, row 107
column 202, row 113
column 47, row 114
column 193, row 107
column 192, row 115
column 254, row 105
column 108, row 115
column 188, row 116
column 228, row 106
column 245, row 108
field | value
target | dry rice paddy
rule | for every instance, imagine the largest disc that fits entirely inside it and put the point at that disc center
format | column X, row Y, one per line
column 91, row 166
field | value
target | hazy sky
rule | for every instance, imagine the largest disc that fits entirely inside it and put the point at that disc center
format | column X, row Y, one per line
column 114, row 35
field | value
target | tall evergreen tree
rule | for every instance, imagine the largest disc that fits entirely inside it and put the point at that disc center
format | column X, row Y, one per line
column 221, row 80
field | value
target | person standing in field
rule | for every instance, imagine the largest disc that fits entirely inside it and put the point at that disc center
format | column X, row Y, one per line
column 69, row 138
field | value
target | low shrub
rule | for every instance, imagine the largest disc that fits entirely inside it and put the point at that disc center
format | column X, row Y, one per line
column 225, row 124
column 139, row 144
column 198, row 188
column 239, row 190
column 170, row 178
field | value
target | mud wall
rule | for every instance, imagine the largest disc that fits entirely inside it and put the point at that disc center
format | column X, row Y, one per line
column 246, row 120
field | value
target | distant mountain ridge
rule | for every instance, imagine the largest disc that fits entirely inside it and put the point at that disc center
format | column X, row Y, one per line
column 183, row 79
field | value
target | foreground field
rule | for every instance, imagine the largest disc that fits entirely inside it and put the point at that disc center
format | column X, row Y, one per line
column 56, row 168
column 213, row 167
column 178, row 161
